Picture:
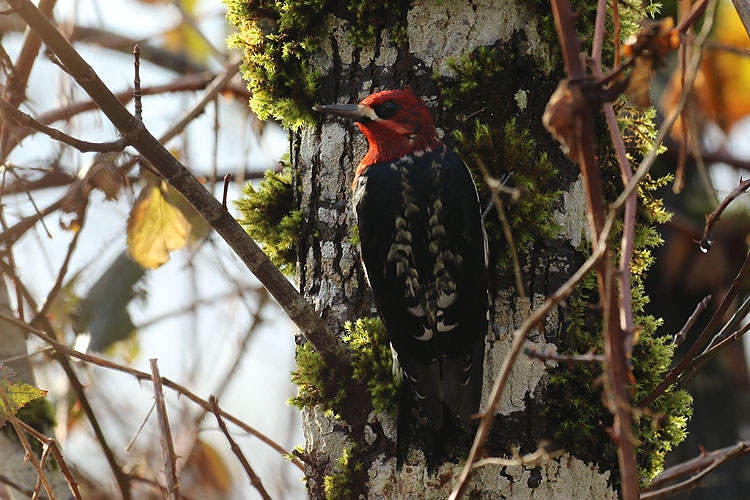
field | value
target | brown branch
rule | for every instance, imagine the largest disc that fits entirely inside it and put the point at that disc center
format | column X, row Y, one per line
column 494, row 186
column 165, row 434
column 542, row 455
column 680, row 337
column 137, row 82
column 589, row 358
column 55, row 290
column 254, row 479
column 705, row 242
column 52, row 444
column 741, row 448
column 18, row 116
column 705, row 459
column 42, row 464
column 312, row 327
column 18, row 487
column 702, row 339
column 153, row 484
column 88, row 358
column 519, row 336
column 120, row 477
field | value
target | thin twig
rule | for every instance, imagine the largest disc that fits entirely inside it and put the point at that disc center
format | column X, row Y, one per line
column 254, row 479
column 23, row 185
column 165, row 433
column 703, row 338
column 739, row 449
column 680, row 337
column 55, row 290
column 137, row 82
column 494, row 184
column 62, row 348
column 18, row 487
column 18, row 116
column 227, row 179
column 311, row 325
column 542, row 455
column 696, row 464
column 120, row 477
column 140, row 429
column 589, row 358
column 52, row 444
column 42, row 464
column 21, row 357
column 705, row 242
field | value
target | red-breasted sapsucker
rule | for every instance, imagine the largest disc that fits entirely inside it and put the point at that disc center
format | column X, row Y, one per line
column 424, row 250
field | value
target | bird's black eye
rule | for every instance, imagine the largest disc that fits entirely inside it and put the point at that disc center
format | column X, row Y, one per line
column 386, row 110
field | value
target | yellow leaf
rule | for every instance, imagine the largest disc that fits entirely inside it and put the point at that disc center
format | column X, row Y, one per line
column 155, row 227
column 17, row 396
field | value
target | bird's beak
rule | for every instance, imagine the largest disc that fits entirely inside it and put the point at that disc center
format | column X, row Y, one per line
column 356, row 112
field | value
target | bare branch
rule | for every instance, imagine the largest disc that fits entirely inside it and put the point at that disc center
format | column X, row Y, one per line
column 705, row 242
column 702, row 339
column 254, row 479
column 680, row 337
column 332, row 350
column 739, row 449
column 588, row 358
column 63, row 349
column 165, row 434
column 18, row 116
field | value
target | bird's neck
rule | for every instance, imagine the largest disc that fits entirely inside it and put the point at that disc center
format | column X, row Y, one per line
column 389, row 149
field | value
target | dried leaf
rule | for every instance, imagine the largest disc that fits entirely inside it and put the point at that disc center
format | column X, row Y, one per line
column 155, row 227
column 562, row 117
column 650, row 46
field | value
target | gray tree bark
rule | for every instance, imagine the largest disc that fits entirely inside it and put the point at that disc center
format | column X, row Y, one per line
column 331, row 275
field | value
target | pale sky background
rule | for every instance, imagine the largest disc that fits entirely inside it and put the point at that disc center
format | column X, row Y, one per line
column 261, row 386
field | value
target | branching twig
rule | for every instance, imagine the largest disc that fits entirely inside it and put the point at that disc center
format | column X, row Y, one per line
column 542, row 455
column 165, row 434
column 703, row 338
column 588, row 358
column 741, row 448
column 254, row 479
column 18, row 116
column 311, row 325
column 705, row 242
column 52, row 444
column 694, row 465
column 63, row 349
column 680, row 337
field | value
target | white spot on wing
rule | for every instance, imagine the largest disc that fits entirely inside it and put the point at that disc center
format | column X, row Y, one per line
column 427, row 335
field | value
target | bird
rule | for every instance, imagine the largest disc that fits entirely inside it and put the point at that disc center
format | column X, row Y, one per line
column 424, row 251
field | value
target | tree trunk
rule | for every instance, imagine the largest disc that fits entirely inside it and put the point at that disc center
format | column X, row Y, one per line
column 330, row 270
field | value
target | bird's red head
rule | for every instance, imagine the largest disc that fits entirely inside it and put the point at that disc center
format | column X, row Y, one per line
column 395, row 122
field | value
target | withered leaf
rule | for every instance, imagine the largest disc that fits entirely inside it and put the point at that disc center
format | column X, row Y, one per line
column 155, row 227
column 562, row 117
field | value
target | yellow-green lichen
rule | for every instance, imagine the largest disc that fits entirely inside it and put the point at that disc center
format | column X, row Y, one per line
column 372, row 365
column 340, row 485
column 268, row 215
column 511, row 151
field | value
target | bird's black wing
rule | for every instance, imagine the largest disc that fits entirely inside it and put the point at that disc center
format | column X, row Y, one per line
column 423, row 248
